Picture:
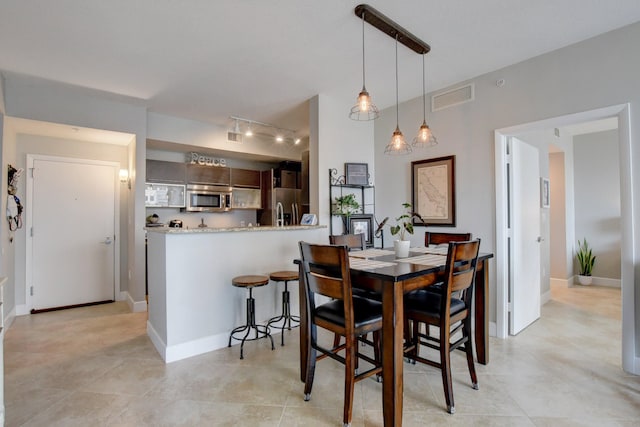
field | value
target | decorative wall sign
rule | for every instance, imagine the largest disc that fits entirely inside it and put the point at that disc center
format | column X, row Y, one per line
column 545, row 196
column 201, row 159
column 434, row 191
column 356, row 173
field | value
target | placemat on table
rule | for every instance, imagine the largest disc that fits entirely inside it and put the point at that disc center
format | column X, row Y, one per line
column 367, row 264
column 428, row 259
column 370, row 253
column 440, row 249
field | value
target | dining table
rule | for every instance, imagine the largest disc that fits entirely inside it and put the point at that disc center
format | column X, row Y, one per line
column 379, row 270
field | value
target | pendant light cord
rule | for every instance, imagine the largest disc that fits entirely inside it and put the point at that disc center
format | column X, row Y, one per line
column 397, row 107
column 363, row 85
column 424, row 95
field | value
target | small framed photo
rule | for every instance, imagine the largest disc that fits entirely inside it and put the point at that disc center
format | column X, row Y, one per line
column 356, row 173
column 545, row 196
column 362, row 224
column 309, row 219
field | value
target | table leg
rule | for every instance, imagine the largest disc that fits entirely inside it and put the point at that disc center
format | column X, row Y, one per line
column 392, row 353
column 482, row 312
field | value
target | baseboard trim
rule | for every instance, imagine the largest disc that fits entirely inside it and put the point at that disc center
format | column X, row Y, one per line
column 597, row 281
column 545, row 297
column 173, row 353
column 136, row 306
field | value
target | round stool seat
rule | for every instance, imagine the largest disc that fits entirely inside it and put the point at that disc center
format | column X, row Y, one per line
column 249, row 281
column 281, row 276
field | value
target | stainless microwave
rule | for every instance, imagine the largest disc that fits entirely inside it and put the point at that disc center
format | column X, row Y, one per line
column 208, row 198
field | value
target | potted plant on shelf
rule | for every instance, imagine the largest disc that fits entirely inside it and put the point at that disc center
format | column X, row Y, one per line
column 345, row 206
column 586, row 259
column 404, row 224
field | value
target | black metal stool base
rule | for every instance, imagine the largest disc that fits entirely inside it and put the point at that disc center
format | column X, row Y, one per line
column 286, row 317
column 261, row 331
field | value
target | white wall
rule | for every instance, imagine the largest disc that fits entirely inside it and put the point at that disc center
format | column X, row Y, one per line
column 586, row 76
column 557, row 222
column 597, row 199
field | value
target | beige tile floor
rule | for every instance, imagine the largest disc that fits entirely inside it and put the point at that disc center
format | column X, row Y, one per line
column 95, row 366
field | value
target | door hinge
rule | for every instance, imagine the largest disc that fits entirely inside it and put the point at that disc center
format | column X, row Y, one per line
column 32, row 172
column 31, row 290
column 31, row 232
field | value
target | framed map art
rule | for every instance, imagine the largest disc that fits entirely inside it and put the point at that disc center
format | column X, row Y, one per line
column 433, row 190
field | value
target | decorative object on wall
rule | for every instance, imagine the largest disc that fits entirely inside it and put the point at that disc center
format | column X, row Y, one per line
column 434, row 191
column 14, row 207
column 364, row 109
column 362, row 224
column 425, row 137
column 397, row 145
column 545, row 195
column 356, row 173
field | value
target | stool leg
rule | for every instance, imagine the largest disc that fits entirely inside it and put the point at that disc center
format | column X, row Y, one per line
column 251, row 324
column 286, row 316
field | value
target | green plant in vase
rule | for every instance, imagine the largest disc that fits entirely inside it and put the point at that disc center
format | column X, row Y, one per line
column 404, row 224
column 586, row 260
column 345, row 206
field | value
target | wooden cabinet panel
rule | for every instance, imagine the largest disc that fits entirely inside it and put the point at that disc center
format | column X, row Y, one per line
column 166, row 172
column 245, row 178
column 208, row 175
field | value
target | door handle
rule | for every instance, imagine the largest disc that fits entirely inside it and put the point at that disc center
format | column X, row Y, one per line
column 539, row 239
column 107, row 241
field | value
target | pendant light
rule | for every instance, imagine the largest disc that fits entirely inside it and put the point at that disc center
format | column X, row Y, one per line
column 397, row 145
column 364, row 109
column 425, row 137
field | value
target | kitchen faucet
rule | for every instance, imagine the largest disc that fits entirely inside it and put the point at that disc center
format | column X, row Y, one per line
column 279, row 215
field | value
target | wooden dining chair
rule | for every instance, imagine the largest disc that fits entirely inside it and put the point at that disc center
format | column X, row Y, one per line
column 451, row 314
column 352, row 241
column 326, row 272
column 431, row 238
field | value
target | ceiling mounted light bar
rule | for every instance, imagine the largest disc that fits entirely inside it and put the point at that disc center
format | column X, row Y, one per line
column 390, row 28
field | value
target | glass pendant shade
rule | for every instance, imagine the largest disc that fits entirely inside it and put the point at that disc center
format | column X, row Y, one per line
column 425, row 137
column 397, row 145
column 364, row 109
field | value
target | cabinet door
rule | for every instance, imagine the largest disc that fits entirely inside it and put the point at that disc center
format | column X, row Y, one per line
column 166, row 172
column 208, row 175
column 245, row 178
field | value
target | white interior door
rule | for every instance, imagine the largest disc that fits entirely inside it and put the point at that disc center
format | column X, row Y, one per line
column 524, row 280
column 73, row 232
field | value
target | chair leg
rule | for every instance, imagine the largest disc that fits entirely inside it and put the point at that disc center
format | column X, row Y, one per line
column 468, row 348
column 311, row 363
column 445, row 368
column 351, row 357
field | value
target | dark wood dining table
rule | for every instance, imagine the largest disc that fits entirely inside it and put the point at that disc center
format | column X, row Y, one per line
column 393, row 278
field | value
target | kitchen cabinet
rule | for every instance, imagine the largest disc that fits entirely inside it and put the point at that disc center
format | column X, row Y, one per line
column 245, row 178
column 166, row 172
column 158, row 195
column 208, row 175
column 246, row 198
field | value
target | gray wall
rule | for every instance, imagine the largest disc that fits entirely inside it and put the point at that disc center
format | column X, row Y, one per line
column 557, row 218
column 597, row 199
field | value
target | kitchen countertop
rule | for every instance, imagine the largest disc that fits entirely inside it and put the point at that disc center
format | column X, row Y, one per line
column 176, row 230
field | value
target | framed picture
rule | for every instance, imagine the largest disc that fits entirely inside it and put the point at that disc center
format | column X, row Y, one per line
column 356, row 173
column 362, row 224
column 433, row 188
column 545, row 197
column 309, row 219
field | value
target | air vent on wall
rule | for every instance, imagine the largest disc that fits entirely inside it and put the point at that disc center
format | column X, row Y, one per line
column 456, row 96
column 234, row 137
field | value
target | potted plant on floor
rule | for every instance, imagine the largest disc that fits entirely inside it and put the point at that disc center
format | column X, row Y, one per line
column 404, row 224
column 586, row 259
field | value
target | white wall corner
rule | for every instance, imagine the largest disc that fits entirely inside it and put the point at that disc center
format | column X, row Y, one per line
column 545, row 297
column 135, row 306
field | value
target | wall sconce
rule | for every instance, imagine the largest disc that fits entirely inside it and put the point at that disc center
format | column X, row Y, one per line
column 124, row 177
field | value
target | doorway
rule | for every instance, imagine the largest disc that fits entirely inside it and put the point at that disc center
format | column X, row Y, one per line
column 72, row 228
column 622, row 112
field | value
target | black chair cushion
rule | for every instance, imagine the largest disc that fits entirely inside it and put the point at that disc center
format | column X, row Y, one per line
column 366, row 311
column 428, row 303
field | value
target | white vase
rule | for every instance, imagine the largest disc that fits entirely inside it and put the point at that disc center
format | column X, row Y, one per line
column 585, row 280
column 402, row 248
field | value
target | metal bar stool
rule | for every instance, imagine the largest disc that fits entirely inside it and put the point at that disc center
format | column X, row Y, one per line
column 262, row 331
column 286, row 317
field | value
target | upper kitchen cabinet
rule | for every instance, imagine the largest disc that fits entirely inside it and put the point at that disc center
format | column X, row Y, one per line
column 166, row 172
column 245, row 178
column 208, row 175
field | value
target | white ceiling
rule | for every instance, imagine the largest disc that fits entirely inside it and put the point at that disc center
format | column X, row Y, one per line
column 207, row 60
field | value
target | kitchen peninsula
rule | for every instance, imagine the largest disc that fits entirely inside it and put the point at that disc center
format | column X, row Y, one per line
column 192, row 304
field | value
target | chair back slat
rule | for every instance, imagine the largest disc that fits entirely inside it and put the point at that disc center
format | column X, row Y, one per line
column 440, row 238
column 352, row 241
column 462, row 259
column 326, row 270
